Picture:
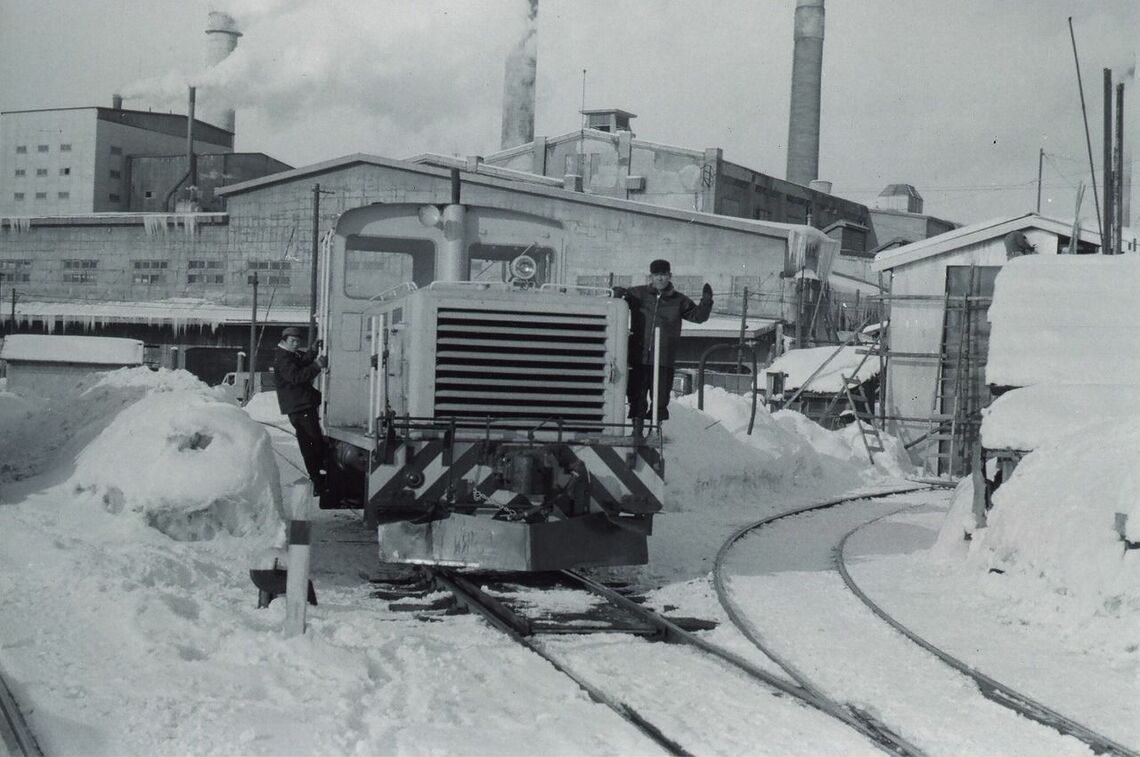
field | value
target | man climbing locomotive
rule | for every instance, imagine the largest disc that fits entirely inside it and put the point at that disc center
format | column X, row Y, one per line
column 656, row 304
column 295, row 369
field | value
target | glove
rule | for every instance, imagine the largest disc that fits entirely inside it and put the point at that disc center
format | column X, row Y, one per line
column 322, row 361
column 620, row 292
column 706, row 294
column 319, row 345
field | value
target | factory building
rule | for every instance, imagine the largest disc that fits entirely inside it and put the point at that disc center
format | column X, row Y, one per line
column 184, row 280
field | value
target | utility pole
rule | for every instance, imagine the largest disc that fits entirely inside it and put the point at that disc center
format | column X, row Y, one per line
column 1118, row 175
column 1040, row 161
column 252, row 340
column 1109, row 184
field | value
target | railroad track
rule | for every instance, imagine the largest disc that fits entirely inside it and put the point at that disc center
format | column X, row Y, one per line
column 991, row 689
column 627, row 616
column 16, row 737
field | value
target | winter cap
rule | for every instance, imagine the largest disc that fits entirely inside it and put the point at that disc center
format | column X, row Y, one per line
column 292, row 331
column 659, row 266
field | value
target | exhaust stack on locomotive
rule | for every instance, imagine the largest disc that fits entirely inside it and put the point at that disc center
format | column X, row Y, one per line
column 474, row 408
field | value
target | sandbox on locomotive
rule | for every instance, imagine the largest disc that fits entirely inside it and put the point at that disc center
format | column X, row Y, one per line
column 474, row 412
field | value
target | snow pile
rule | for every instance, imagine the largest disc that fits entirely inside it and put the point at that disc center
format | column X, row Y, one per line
column 159, row 445
column 1053, row 527
column 187, row 464
column 784, row 450
column 1065, row 319
column 1025, row 419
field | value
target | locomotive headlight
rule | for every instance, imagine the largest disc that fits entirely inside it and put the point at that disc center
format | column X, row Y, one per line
column 523, row 268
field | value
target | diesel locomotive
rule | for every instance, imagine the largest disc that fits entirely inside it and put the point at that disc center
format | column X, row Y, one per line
column 474, row 405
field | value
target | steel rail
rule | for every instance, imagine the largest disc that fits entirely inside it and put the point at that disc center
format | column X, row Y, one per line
column 990, row 688
column 475, row 599
column 16, row 736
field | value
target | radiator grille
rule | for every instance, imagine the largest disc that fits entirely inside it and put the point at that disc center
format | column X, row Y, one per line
column 509, row 364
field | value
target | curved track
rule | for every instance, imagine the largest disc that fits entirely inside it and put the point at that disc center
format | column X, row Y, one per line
column 991, row 689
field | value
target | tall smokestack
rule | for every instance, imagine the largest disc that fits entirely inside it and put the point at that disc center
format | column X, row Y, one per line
column 518, row 85
column 221, row 39
column 803, row 116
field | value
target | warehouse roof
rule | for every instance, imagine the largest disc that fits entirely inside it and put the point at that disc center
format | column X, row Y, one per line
column 79, row 350
column 975, row 234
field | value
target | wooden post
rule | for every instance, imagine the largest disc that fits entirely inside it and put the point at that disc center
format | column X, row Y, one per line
column 979, row 487
column 297, row 581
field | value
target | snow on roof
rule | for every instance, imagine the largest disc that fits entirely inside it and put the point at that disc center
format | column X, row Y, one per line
column 975, row 234
column 727, row 325
column 178, row 313
column 1028, row 418
column 800, row 364
column 1066, row 319
column 86, row 350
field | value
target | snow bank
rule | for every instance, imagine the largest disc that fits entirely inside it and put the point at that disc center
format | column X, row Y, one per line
column 1027, row 418
column 1065, row 319
column 188, row 465
column 1052, row 524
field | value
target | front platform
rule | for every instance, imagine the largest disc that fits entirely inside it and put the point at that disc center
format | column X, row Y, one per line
column 480, row 542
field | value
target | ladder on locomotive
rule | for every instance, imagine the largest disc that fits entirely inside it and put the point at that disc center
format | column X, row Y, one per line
column 951, row 388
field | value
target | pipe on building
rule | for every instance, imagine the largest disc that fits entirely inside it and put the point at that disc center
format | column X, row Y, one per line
column 117, row 101
column 452, row 262
column 803, row 114
column 519, row 85
column 191, row 174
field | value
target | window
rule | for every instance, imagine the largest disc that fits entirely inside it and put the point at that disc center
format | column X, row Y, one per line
column 41, row 172
column 20, row 172
column 115, row 174
column 116, row 150
column 198, row 264
column 144, row 265
column 148, row 195
column 63, row 195
column 73, row 263
column 41, row 148
column 206, row 278
column 65, row 172
column 65, row 148
column 15, row 271
column 18, row 196
column 270, row 265
column 21, row 149
column 387, row 263
column 41, row 195
column 79, row 277
column 148, row 278
column 113, row 197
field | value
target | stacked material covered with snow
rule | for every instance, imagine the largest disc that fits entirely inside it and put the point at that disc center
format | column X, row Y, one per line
column 837, row 362
column 159, row 448
column 1064, row 329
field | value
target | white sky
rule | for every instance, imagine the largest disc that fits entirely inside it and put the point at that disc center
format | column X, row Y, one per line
column 953, row 97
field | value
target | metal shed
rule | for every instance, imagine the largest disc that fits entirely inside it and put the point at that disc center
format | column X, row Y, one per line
column 46, row 364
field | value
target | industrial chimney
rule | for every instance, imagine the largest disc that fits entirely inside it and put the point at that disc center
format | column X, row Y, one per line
column 221, row 39
column 518, row 85
column 803, row 116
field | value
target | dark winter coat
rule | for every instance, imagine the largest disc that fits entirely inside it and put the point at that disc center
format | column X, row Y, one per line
column 294, row 373
column 666, row 308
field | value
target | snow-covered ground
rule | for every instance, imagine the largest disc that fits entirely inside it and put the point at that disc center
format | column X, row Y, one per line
column 133, row 507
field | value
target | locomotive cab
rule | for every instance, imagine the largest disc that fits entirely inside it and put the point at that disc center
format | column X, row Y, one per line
column 473, row 407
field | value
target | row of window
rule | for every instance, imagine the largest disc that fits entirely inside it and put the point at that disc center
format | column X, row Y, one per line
column 23, row 149
column 44, row 172
column 146, row 272
column 19, row 196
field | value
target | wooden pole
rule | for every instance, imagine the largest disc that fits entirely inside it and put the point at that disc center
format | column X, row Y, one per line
column 1118, row 175
column 252, row 342
column 1109, row 185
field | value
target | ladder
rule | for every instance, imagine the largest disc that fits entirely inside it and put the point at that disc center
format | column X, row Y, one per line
column 951, row 389
column 860, row 407
column 872, row 349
